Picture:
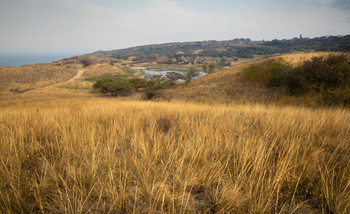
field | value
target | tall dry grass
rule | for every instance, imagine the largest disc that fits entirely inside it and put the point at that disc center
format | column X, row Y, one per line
column 109, row 156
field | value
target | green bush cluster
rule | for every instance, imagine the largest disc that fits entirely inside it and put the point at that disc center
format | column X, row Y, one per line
column 269, row 72
column 119, row 87
column 325, row 73
column 125, row 87
column 329, row 76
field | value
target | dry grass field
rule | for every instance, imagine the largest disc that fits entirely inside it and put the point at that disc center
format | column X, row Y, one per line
column 219, row 146
column 27, row 77
column 102, row 69
column 113, row 156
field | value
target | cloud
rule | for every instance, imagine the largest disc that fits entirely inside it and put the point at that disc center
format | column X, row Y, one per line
column 64, row 3
column 167, row 19
column 97, row 11
column 342, row 4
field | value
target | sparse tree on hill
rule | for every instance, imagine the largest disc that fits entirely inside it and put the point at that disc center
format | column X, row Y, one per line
column 86, row 62
column 209, row 67
column 174, row 76
column 158, row 79
column 191, row 74
column 212, row 67
column 205, row 67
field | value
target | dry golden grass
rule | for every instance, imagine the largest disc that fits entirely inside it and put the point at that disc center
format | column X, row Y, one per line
column 297, row 58
column 112, row 156
column 102, row 69
column 222, row 87
column 33, row 76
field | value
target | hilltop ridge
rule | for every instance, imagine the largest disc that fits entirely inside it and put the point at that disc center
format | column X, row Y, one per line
column 190, row 52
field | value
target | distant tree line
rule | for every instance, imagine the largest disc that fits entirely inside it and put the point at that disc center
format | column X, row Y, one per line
column 237, row 48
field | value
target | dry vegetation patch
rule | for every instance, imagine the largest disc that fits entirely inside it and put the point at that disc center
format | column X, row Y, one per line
column 102, row 69
column 33, row 76
column 105, row 155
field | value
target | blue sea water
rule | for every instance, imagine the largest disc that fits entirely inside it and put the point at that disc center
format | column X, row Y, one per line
column 17, row 59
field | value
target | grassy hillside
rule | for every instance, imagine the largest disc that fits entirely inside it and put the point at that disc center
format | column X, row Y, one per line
column 110, row 156
column 226, row 87
column 230, row 50
column 33, row 76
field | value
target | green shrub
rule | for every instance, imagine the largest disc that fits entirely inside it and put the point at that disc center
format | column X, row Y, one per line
column 99, row 83
column 337, row 97
column 322, row 74
column 16, row 90
column 292, row 81
column 86, row 61
column 268, row 72
column 116, row 87
column 138, row 83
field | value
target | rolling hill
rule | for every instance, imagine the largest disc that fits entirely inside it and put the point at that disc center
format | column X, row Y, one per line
column 192, row 52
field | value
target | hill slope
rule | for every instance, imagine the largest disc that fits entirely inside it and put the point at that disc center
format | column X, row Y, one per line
column 237, row 48
column 226, row 87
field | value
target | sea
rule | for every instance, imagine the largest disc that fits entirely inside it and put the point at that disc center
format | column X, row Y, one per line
column 14, row 59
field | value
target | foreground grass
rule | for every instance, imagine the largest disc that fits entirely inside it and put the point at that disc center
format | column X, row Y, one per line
column 108, row 156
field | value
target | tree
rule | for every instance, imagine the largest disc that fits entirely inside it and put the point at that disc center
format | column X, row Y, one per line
column 138, row 83
column 209, row 67
column 158, row 79
column 225, row 62
column 156, row 83
column 174, row 76
column 191, row 74
column 212, row 67
column 86, row 62
column 99, row 83
column 205, row 66
column 116, row 88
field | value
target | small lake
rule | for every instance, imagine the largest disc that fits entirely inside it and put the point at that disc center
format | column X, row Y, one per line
column 150, row 73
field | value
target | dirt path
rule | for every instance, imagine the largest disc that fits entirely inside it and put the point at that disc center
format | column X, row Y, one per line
column 77, row 76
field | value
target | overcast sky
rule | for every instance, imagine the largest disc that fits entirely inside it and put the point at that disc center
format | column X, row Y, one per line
column 91, row 25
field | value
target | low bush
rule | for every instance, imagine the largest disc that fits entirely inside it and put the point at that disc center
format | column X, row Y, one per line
column 125, row 87
column 268, row 72
column 337, row 97
column 117, row 88
column 138, row 83
column 325, row 75
column 86, row 61
column 99, row 83
column 290, row 79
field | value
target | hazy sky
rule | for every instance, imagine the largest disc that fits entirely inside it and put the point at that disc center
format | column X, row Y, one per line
column 91, row 25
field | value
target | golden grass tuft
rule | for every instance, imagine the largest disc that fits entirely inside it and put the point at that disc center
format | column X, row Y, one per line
column 112, row 156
